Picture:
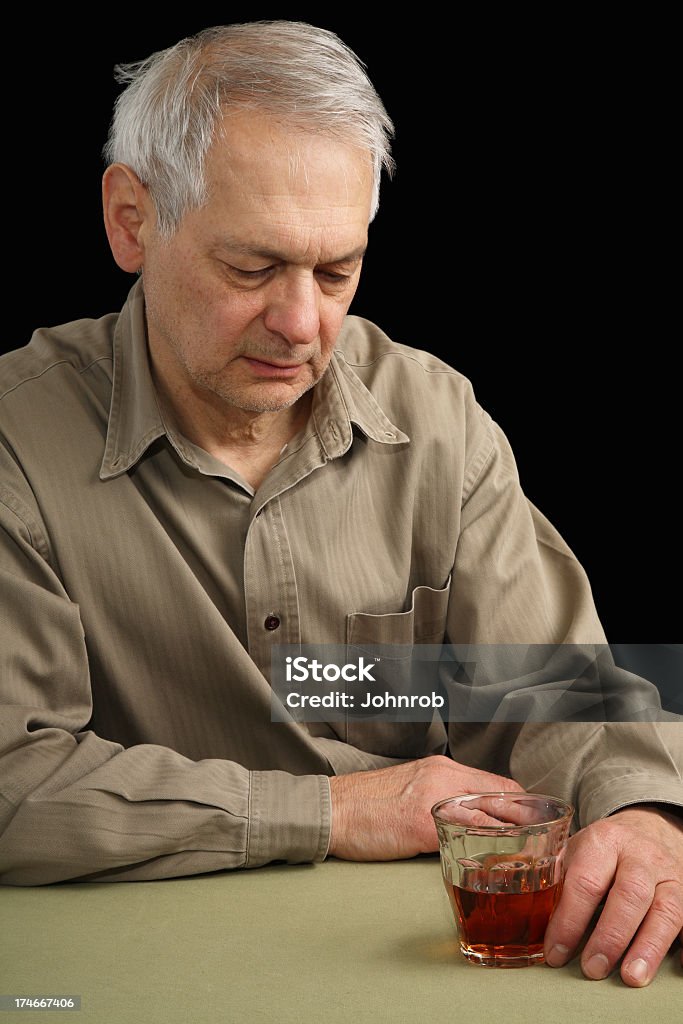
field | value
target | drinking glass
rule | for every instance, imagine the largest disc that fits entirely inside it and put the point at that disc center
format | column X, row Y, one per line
column 502, row 863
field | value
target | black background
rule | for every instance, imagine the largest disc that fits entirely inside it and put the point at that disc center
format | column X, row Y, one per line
column 525, row 240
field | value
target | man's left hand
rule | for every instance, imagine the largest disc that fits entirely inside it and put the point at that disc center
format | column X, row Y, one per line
column 637, row 856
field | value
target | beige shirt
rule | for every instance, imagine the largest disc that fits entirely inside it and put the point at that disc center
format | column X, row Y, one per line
column 138, row 576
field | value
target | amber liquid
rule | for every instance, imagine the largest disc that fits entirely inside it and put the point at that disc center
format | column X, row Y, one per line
column 507, row 924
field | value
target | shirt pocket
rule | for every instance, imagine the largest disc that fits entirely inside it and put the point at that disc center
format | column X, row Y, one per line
column 423, row 623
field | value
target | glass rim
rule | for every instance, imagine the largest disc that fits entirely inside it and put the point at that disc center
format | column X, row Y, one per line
column 494, row 829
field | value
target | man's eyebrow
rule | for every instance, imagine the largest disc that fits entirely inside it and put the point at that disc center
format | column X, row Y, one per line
column 272, row 254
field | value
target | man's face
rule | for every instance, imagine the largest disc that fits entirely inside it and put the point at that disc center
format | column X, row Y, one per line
column 245, row 302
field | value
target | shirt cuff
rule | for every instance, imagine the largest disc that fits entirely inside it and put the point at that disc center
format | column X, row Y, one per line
column 630, row 790
column 289, row 818
column 655, row 805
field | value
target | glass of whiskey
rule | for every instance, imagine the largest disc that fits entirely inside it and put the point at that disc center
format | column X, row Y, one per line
column 502, row 864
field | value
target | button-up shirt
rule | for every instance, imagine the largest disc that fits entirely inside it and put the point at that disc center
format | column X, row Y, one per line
column 144, row 583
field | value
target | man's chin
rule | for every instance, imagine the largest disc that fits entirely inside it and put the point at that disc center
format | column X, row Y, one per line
column 272, row 397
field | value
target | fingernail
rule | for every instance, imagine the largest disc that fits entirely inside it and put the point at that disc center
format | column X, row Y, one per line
column 638, row 970
column 597, row 967
column 557, row 955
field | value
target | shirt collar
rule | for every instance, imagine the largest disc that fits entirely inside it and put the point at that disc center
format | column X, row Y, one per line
column 342, row 401
column 135, row 419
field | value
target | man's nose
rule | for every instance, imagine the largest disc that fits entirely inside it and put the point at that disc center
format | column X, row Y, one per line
column 293, row 308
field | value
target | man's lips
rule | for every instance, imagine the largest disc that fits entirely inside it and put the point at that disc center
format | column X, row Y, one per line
column 268, row 369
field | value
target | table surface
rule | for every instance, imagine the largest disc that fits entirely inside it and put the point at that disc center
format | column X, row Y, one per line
column 285, row 944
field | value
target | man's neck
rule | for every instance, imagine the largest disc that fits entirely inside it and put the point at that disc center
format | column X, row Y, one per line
column 248, row 442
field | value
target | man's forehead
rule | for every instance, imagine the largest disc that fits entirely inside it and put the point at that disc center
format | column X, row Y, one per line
column 270, row 200
column 255, row 148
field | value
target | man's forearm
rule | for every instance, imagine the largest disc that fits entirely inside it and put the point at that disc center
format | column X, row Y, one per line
column 101, row 812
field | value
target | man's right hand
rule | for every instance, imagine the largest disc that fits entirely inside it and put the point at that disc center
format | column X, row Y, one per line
column 385, row 814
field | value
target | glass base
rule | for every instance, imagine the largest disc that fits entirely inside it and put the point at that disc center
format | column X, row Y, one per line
column 501, row 956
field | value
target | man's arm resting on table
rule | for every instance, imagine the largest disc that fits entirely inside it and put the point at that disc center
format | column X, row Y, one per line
column 81, row 807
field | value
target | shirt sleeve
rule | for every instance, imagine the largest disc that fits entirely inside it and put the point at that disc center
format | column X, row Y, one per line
column 74, row 805
column 516, row 582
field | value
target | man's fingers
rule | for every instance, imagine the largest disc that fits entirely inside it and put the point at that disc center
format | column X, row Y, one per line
column 634, row 907
column 588, row 877
column 637, row 856
column 472, row 817
column 628, row 903
column 658, row 930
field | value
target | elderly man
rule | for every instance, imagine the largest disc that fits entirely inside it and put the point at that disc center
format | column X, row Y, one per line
column 232, row 462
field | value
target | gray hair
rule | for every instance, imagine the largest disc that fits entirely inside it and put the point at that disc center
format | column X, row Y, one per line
column 167, row 117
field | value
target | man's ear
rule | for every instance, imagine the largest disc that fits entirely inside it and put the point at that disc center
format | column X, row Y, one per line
column 128, row 211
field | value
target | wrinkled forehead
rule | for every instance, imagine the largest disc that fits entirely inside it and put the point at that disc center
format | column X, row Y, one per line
column 255, row 154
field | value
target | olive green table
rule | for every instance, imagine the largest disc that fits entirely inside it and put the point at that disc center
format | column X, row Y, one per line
column 321, row 943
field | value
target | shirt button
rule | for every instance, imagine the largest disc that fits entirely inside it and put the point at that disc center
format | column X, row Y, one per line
column 272, row 622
